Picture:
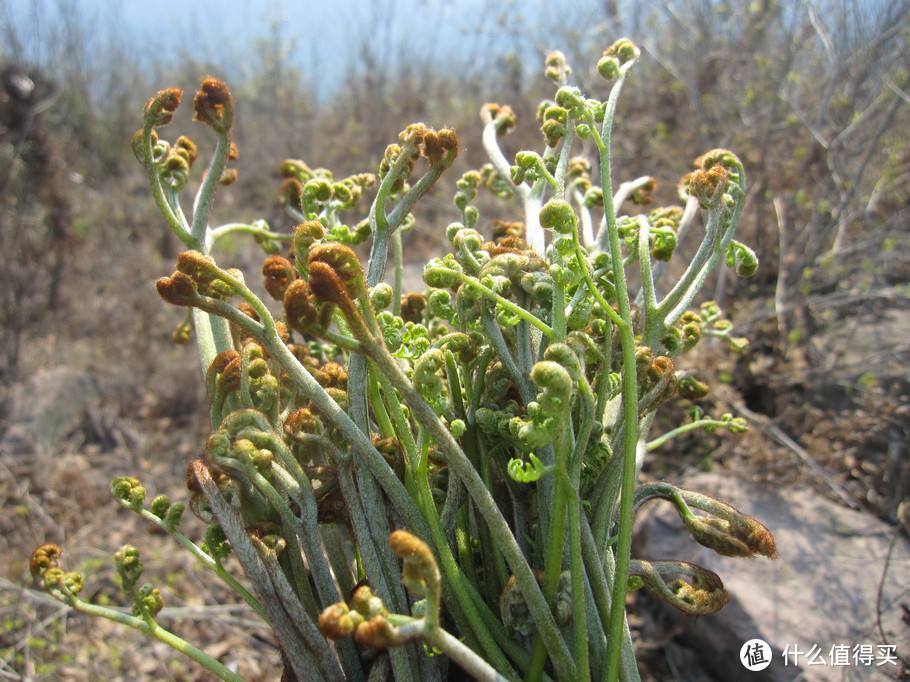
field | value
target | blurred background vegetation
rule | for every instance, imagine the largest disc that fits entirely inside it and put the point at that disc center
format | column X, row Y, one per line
column 814, row 96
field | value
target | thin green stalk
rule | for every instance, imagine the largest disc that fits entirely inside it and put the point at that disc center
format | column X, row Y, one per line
column 556, row 540
column 152, row 629
column 206, row 560
column 601, row 568
column 486, row 506
column 517, row 310
column 647, row 277
column 398, row 268
column 427, row 505
column 257, row 229
column 577, row 574
column 202, row 204
column 629, row 398
column 178, row 227
column 680, row 430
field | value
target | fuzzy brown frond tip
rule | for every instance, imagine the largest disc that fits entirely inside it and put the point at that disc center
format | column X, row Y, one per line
column 343, row 261
column 718, row 157
column 291, row 193
column 377, row 633
column 300, row 307
column 441, row 146
column 44, row 557
column 328, row 287
column 213, row 105
column 278, row 273
column 338, row 621
column 420, row 573
column 178, row 289
column 501, row 116
column 160, row 107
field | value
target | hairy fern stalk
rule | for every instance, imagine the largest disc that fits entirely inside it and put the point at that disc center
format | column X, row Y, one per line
column 453, row 471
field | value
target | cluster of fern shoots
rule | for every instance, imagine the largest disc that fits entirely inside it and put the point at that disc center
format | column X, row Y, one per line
column 404, row 474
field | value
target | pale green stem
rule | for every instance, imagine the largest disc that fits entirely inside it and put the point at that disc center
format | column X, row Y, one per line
column 629, row 396
column 202, row 204
column 398, row 265
column 299, row 646
column 152, row 629
column 601, row 570
column 680, row 430
column 257, row 229
column 490, row 140
column 486, row 506
column 649, row 310
column 206, row 560
column 475, row 284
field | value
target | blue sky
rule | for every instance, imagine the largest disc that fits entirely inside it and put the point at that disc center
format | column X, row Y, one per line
column 321, row 36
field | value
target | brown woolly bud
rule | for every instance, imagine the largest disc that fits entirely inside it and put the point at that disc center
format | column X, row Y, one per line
column 725, row 529
column 441, row 146
column 213, row 105
column 44, row 557
column 412, row 306
column 331, row 375
column 222, row 360
column 708, row 186
column 198, row 266
column 578, row 167
column 291, row 193
column 690, row 588
column 305, row 235
column 344, row 263
column 233, row 152
column 301, row 352
column 228, row 176
column 503, row 229
column 186, row 148
column 338, row 621
column 644, row 195
column 190, row 476
column 278, row 273
column 377, row 633
column 230, row 376
column 419, row 573
column 300, row 422
column 500, row 115
column 300, row 307
column 182, row 332
column 734, row 534
column 515, row 245
column 209, row 279
column 415, row 133
column 391, row 450
column 660, row 368
column 248, row 310
column 718, row 157
column 178, row 289
column 284, row 333
column 160, row 108
column 366, row 603
column 295, row 168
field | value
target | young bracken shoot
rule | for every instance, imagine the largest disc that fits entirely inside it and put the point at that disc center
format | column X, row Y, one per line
column 389, row 467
